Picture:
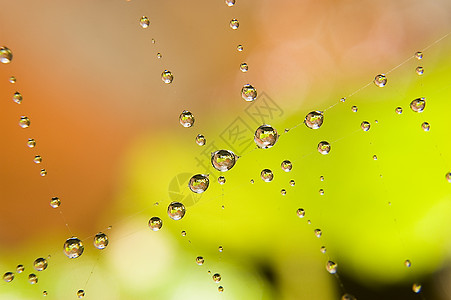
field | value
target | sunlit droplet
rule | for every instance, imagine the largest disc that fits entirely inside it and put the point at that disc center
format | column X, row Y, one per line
column 200, row 260
column 223, row 160
column 220, row 289
column 407, row 263
column 365, row 126
column 167, row 76
column 200, row 140
column 37, row 159
column 216, row 277
column 248, row 92
column 292, row 183
column 40, row 264
column 24, row 122
column 426, row 126
column 266, row 175
column 5, row 55
column 186, row 118
column 331, row 267
column 300, row 212
column 265, row 136
column 318, row 233
column 20, row 268
column 416, row 288
column 73, row 247
column 8, row 276
column 354, row 108
column 419, row 70
column 321, row 178
column 155, row 223
column 323, row 147
column 398, row 110
column 221, row 180
column 321, row 192
column 55, row 202
column 144, row 22
column 239, row 48
column 12, row 79
column 418, row 105
column 80, row 294
column 448, row 177
column 101, row 240
column 199, row 183
column 286, row 165
column 252, row 181
column 43, row 172
column 380, row 80
column 32, row 279
column 17, row 97
column 183, row 233
column 419, row 55
column 220, row 249
column 230, row 2
column 44, row 293
column 234, row 24
column 244, row 67
column 314, row 119
column 283, row 192
column 343, row 99
column 31, row 143
column 176, row 210
column 322, row 249
column 374, row 157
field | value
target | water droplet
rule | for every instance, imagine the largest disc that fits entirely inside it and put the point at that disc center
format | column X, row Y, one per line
column 43, row 172
column 286, row 165
column 220, row 249
column 343, row 99
column 321, row 192
column 234, row 24
column 144, row 22
column 176, row 210
column 31, row 143
column 55, row 202
column 283, row 192
column 418, row 105
column 416, row 288
column 239, row 48
column 324, row 147
column 199, row 183
column 220, row 289
column 40, row 264
column 248, row 93
column 32, row 279
column 314, row 119
column 73, row 247
column 407, row 263
column 101, row 240
column 244, row 67
column 44, row 293
column 252, row 181
column 8, row 276
column 167, row 76
column 20, row 268
column 419, row 55
column 17, row 97
column 292, row 183
column 322, row 249
column 24, row 122
column 221, row 180
column 321, row 178
column 300, row 212
column 200, row 140
column 318, row 233
column 365, row 126
column 200, row 260
column 12, row 79
column 183, row 233
column 426, row 126
column 80, row 294
column 37, row 159
column 398, row 110
column 354, row 108
column 331, row 267
column 186, row 119
column 348, row 297
column 265, row 136
column 374, row 157
column 155, row 223
column 266, row 175
column 5, row 55
column 309, row 222
column 419, row 70
column 216, row 277
column 223, row 160
column 152, row 41
column 448, row 177
column 380, row 80
column 230, row 2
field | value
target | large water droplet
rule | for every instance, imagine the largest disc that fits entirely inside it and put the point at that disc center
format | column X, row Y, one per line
column 416, row 288
column 234, row 24
column 73, row 247
column 32, row 279
column 200, row 260
column 419, row 70
column 144, row 22
column 24, row 122
column 223, row 160
column 419, row 55
column 314, row 119
column 265, row 136
column 167, row 76
column 199, row 183
column 40, row 264
column 365, row 126
column 216, row 277
column 244, row 67
column 230, row 2
column 101, row 240
column 380, row 80
column 324, row 147
column 186, row 119
column 286, row 165
column 17, row 97
column 155, row 223
column 331, row 267
column 425, row 126
column 5, row 55
column 418, row 104
column 200, row 140
column 248, row 92
column 80, row 294
column 8, row 276
column 266, row 175
column 176, row 210
column 55, row 202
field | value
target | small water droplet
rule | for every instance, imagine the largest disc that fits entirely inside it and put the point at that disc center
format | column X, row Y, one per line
column 220, row 249
column 73, row 247
column 152, row 41
column 365, row 126
column 398, row 110
column 343, row 99
column 216, row 277
column 300, row 212
column 223, row 160
column 321, row 178
column 380, row 80
column 12, row 79
column 292, row 183
column 419, row 55
column 322, row 249
column 321, row 192
column 183, row 233
column 186, row 118
column 155, row 223
column 220, row 289
column 286, row 165
column 80, row 294
column 44, row 293
column 55, row 202
column 331, row 267
column 32, row 279
column 244, row 67
column 416, row 288
column 8, row 276
column 167, row 76
column 200, row 140
column 176, row 210
column 318, row 233
column 314, row 120
column 248, row 93
column 239, row 48
column 43, row 172
column 17, row 97
column 144, row 22
column 348, row 297
column 159, row 55
column 5, row 55
column 200, row 260
column 31, row 143
column 24, row 122
column 221, row 180
column 418, row 104
column 20, row 268
column 37, row 159
column 234, row 24
column 283, row 192
column 309, row 222
column 354, row 108
column 374, row 157
column 323, row 147
column 265, row 136
column 448, row 177
column 266, row 175
column 199, row 183
column 101, row 240
column 426, row 126
column 40, row 264
column 252, row 181
column 407, row 263
column 230, row 2
column 419, row 70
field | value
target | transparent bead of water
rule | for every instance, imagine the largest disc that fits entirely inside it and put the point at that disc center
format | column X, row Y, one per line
column 183, row 233
column 419, row 55
column 220, row 249
column 159, row 55
column 176, row 210
column 220, row 289
column 199, row 183
column 300, row 212
column 248, row 92
column 365, row 126
column 31, row 143
column 425, row 126
column 144, row 22
column 244, row 67
column 24, row 122
column 155, row 223
column 419, row 70
column 239, row 48
column 265, row 136
column 286, row 165
column 283, row 192
column 80, row 294
column 321, row 178
column 407, row 263
column 266, row 175
column 380, row 80
column 416, row 288
column 37, row 159
column 292, row 183
column 44, row 293
column 252, row 181
column 167, row 76
column 234, row 24
column 55, row 202
column 8, row 276
column 398, row 110
column 318, row 233
column 200, row 260
column 448, row 177
column 314, row 119
column 186, row 118
column 343, row 99
column 322, row 249
column 418, row 104
column 223, row 160
column 5, row 55
column 321, row 192
column 200, row 140
column 331, row 267
column 101, row 240
column 216, row 277
column 40, row 264
column 17, row 97
column 32, row 279
column 354, row 108
column 73, row 247
column 12, row 79
column 43, row 172
column 323, row 147
column 20, row 268
column 221, row 180
column 230, row 2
